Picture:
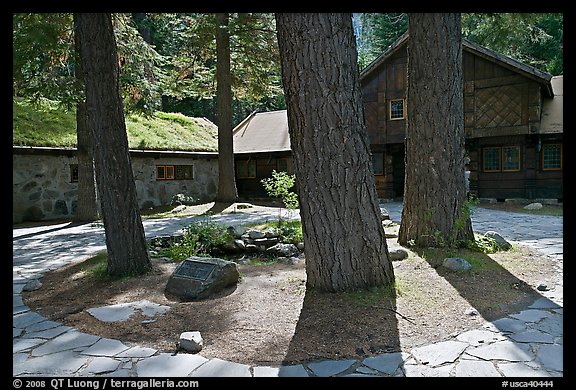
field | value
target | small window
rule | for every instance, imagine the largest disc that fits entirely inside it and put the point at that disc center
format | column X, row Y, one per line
column 164, row 172
column 397, row 109
column 491, row 159
column 283, row 165
column 510, row 158
column 246, row 169
column 73, row 173
column 183, row 172
column 378, row 163
column 552, row 157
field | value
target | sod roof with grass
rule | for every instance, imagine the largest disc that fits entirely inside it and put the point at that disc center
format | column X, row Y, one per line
column 48, row 125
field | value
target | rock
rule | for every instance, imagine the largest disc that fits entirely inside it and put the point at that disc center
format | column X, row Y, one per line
column 384, row 215
column 177, row 209
column 240, row 244
column 533, row 206
column 390, row 235
column 271, row 233
column 255, row 234
column 398, row 254
column 471, row 312
column 191, row 342
column 542, row 286
column 500, row 241
column 283, row 250
column 457, row 264
column 236, row 231
column 200, row 277
column 32, row 285
column 300, row 246
column 182, row 199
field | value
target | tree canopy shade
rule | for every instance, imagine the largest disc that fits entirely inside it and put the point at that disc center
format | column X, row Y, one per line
column 433, row 213
column 125, row 240
column 344, row 240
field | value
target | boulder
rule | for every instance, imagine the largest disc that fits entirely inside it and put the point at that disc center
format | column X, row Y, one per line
column 199, row 277
column 283, row 250
column 533, row 206
column 500, row 241
column 398, row 254
column 236, row 231
column 384, row 215
column 456, row 264
column 32, row 285
column 255, row 234
column 191, row 342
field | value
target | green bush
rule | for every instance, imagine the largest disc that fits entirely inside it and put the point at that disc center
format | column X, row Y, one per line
column 202, row 238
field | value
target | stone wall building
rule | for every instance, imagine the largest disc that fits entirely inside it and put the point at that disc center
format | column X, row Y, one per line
column 45, row 180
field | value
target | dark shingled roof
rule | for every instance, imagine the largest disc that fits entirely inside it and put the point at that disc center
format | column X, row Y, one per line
column 262, row 132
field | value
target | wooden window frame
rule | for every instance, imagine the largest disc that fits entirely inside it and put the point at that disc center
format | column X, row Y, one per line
column 174, row 168
column 247, row 164
column 383, row 173
column 403, row 109
column 561, row 157
column 501, row 158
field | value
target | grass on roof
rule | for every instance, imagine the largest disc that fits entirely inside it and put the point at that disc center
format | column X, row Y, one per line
column 49, row 125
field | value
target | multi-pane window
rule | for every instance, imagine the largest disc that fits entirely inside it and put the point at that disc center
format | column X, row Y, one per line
column 552, row 157
column 246, row 169
column 73, row 173
column 397, row 109
column 378, row 163
column 283, row 165
column 501, row 159
column 510, row 158
column 174, row 172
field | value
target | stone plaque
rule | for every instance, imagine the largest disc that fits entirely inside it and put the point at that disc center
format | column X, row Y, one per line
column 199, row 277
column 194, row 270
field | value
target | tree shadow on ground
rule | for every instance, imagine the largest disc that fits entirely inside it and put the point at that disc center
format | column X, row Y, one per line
column 490, row 288
column 218, row 207
column 354, row 321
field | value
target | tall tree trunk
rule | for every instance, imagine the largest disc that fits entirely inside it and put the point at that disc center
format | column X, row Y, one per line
column 344, row 240
column 226, row 181
column 87, row 205
column 125, row 239
column 435, row 188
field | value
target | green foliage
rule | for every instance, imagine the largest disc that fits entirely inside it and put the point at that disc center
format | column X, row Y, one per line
column 279, row 186
column 97, row 268
column 200, row 239
column 377, row 31
column 46, row 123
column 533, row 38
column 290, row 231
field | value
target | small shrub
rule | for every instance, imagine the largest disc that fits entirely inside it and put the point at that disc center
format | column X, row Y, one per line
column 200, row 239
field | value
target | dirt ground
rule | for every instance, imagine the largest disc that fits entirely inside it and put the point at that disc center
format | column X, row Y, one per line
column 269, row 318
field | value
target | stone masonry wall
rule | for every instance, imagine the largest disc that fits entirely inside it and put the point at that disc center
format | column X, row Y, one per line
column 42, row 187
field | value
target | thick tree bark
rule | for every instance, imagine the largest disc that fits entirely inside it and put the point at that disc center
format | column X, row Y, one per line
column 344, row 240
column 86, row 206
column 227, row 191
column 435, row 188
column 125, row 239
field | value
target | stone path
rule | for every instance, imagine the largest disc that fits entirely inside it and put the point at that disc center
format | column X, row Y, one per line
column 524, row 344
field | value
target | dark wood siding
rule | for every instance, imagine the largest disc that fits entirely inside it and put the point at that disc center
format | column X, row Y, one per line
column 265, row 164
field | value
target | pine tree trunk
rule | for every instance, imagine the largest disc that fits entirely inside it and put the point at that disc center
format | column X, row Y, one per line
column 226, row 181
column 86, row 206
column 435, row 188
column 125, row 239
column 344, row 240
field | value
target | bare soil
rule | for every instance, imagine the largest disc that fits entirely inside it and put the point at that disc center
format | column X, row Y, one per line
column 269, row 318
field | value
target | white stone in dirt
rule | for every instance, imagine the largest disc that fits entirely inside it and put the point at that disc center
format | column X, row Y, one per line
column 191, row 341
column 533, row 206
column 123, row 311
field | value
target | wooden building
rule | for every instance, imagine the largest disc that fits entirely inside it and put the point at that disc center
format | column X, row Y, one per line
column 513, row 116
column 261, row 145
column 512, row 120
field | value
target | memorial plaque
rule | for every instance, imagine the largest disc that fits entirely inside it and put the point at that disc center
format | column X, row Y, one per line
column 194, row 270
